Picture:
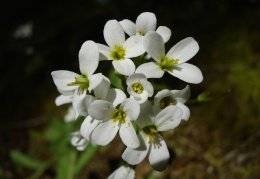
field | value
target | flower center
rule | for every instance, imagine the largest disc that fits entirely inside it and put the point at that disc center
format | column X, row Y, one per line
column 81, row 81
column 167, row 101
column 141, row 32
column 138, row 88
column 118, row 53
column 168, row 64
column 119, row 115
column 151, row 132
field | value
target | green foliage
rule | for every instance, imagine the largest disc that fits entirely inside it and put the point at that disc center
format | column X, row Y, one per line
column 67, row 161
column 25, row 161
column 115, row 79
column 85, row 157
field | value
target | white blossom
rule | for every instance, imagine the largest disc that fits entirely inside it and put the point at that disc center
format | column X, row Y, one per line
column 167, row 97
column 145, row 22
column 102, row 91
column 151, row 142
column 78, row 141
column 68, row 82
column 114, row 119
column 173, row 62
column 139, row 88
column 120, row 50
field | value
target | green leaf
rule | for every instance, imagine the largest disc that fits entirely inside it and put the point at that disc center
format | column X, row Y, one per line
column 115, row 80
column 38, row 173
column 85, row 157
column 25, row 160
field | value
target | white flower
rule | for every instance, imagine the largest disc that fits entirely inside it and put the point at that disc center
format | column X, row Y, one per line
column 139, row 88
column 122, row 172
column 102, row 91
column 78, row 141
column 167, row 97
column 173, row 62
column 67, row 82
column 120, row 50
column 145, row 22
column 114, row 119
column 151, row 142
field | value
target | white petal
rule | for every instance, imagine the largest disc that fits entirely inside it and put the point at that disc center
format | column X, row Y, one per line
column 94, row 81
column 188, row 73
column 122, row 172
column 168, row 118
column 83, row 105
column 150, row 70
column 135, row 156
column 184, row 50
column 132, row 108
column 134, row 46
column 82, row 147
column 134, row 78
column 105, row 132
column 61, row 79
column 102, row 89
column 146, row 113
column 146, row 22
column 140, row 98
column 128, row 26
column 76, row 101
column 183, row 95
column 159, row 155
column 62, row 99
column 165, row 32
column 78, row 141
column 185, row 111
column 154, row 45
column 104, row 52
column 87, row 127
column 125, row 67
column 101, row 110
column 116, row 96
column 148, row 87
column 114, row 33
column 158, row 97
column 88, row 58
column 128, row 135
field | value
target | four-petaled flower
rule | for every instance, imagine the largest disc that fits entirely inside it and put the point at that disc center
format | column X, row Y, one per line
column 112, row 119
column 67, row 82
column 151, row 142
column 145, row 22
column 120, row 50
column 173, row 62
column 167, row 97
column 139, row 88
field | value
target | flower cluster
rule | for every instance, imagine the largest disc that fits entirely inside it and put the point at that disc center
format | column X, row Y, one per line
column 136, row 112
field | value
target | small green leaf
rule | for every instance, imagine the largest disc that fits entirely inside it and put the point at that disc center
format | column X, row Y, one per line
column 115, row 80
column 25, row 160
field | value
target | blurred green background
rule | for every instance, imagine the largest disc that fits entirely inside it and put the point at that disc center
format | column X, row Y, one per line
column 222, row 137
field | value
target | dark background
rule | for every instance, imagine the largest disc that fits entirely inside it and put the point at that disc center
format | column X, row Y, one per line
column 222, row 136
